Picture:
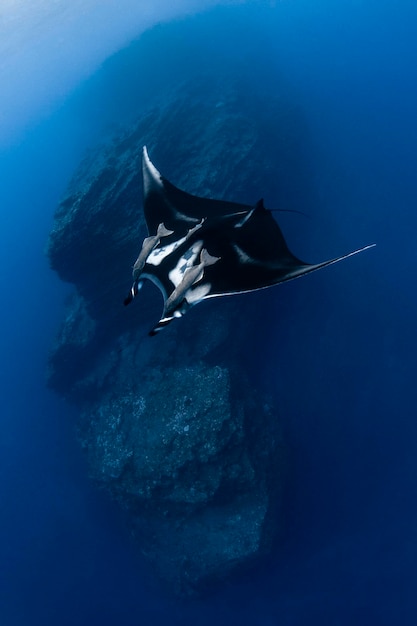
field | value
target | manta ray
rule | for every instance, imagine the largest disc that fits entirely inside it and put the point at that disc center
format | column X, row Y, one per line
column 199, row 248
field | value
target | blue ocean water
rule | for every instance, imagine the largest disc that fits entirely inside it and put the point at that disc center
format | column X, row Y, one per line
column 341, row 359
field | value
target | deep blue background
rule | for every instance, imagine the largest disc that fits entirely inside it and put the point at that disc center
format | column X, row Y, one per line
column 340, row 360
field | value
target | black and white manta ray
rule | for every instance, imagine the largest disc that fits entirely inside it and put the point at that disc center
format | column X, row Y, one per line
column 199, row 248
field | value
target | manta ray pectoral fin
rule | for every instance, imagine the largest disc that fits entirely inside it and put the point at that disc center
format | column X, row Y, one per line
column 307, row 268
column 319, row 266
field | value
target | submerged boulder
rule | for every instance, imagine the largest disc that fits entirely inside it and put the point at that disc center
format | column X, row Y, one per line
column 189, row 454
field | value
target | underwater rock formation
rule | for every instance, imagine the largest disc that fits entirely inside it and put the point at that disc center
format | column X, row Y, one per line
column 172, row 426
column 178, row 452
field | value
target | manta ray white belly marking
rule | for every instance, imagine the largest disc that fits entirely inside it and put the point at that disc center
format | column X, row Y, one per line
column 176, row 275
column 149, row 244
column 194, row 296
column 233, row 248
column 159, row 254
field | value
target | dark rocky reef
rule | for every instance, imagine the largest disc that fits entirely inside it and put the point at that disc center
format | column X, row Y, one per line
column 172, row 426
column 188, row 452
